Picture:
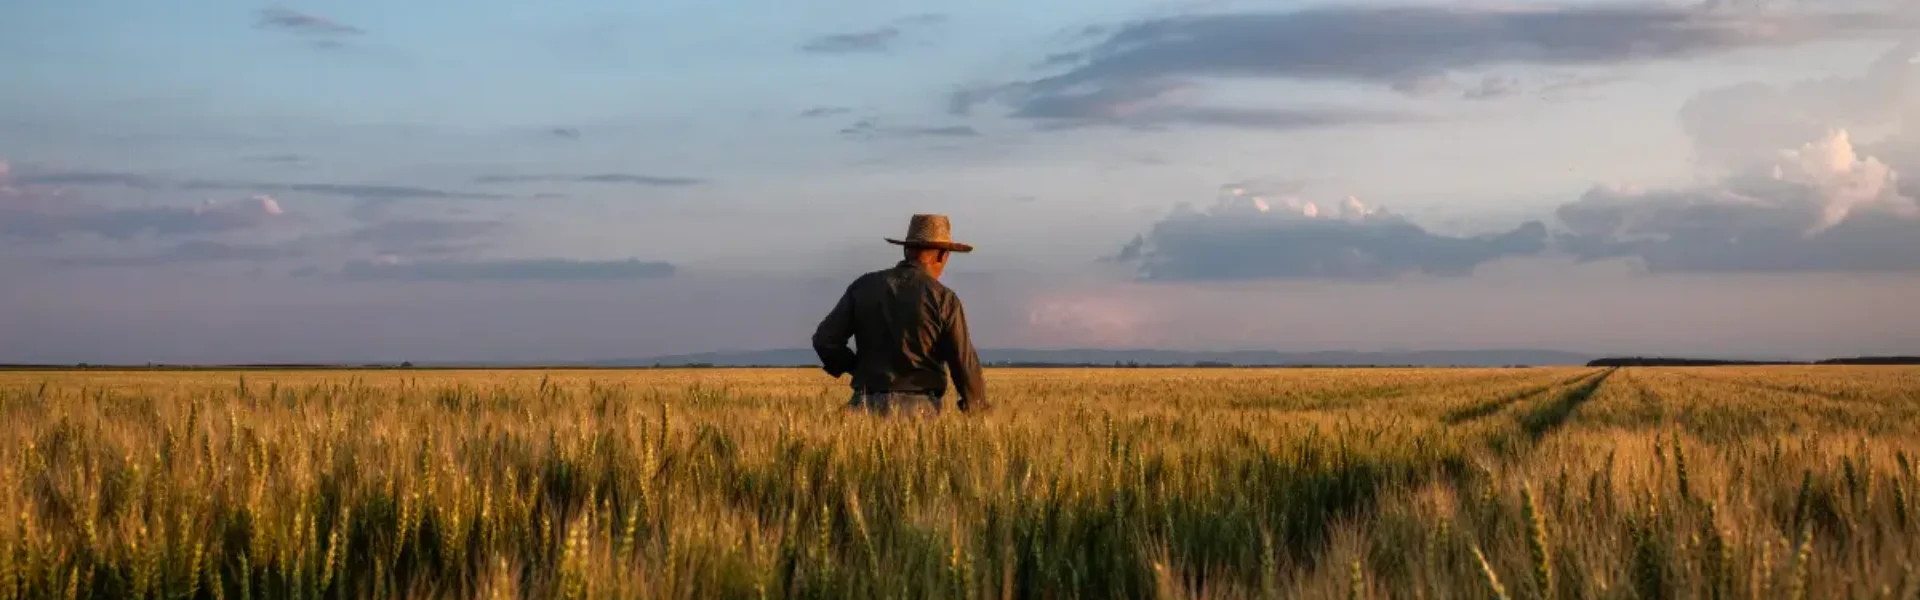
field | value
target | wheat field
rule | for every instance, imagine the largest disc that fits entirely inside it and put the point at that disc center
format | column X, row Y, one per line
column 1747, row 482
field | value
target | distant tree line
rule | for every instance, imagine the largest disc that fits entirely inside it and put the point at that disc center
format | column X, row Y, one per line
column 1873, row 360
column 1639, row 361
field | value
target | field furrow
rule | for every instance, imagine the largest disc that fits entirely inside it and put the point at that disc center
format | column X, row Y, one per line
column 1480, row 410
column 1554, row 412
column 1871, row 385
column 1726, row 408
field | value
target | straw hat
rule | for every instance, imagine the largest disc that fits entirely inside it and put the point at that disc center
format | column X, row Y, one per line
column 931, row 231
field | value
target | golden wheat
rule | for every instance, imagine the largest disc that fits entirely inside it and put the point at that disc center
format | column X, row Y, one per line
column 1217, row 483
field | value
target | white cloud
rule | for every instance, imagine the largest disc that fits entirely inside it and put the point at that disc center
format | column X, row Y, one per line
column 1736, row 127
column 1820, row 207
column 1843, row 181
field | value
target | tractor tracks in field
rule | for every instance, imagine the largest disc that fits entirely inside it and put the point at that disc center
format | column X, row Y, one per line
column 1495, row 406
column 1351, row 399
column 1769, row 387
column 1547, row 417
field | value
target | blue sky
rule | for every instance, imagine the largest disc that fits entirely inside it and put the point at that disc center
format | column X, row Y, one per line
column 230, row 180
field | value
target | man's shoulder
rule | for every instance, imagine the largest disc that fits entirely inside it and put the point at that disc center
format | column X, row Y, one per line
column 891, row 275
column 869, row 278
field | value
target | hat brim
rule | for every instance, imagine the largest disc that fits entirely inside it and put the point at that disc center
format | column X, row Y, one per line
column 948, row 246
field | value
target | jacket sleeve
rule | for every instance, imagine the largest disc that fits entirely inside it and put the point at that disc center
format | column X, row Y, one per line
column 957, row 351
column 830, row 337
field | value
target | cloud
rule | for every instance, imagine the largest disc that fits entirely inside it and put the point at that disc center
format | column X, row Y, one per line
column 1493, row 87
column 1797, row 191
column 1251, row 237
column 86, row 178
column 358, row 191
column 1820, row 207
column 150, row 182
column 1150, row 104
column 508, row 270
column 824, row 111
column 1412, row 48
column 1740, row 125
column 302, row 23
column 1424, row 85
column 192, row 252
column 1240, row 118
column 875, row 40
column 870, row 128
column 426, row 236
column 625, row 178
column 400, row 239
column 30, row 218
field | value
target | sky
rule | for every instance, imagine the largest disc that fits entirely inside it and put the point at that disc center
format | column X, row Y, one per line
column 352, row 180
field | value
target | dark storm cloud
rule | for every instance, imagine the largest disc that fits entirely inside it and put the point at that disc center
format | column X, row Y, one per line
column 192, row 252
column 621, row 178
column 302, row 23
column 1239, row 241
column 1399, row 46
column 509, row 270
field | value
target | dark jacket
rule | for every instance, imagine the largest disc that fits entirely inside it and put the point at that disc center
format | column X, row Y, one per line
column 910, row 329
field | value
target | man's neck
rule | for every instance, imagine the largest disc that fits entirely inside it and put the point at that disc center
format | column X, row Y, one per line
column 930, row 270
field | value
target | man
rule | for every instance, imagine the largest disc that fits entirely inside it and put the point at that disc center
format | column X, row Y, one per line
column 910, row 330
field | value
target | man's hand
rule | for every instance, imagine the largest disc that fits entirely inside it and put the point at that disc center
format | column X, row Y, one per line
column 830, row 339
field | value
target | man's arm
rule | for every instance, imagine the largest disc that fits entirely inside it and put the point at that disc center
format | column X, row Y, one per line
column 956, row 349
column 830, row 338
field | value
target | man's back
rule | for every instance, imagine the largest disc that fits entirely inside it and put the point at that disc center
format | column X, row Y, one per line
column 910, row 330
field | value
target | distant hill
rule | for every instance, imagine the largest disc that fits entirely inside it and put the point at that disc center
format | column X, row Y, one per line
column 1096, row 357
